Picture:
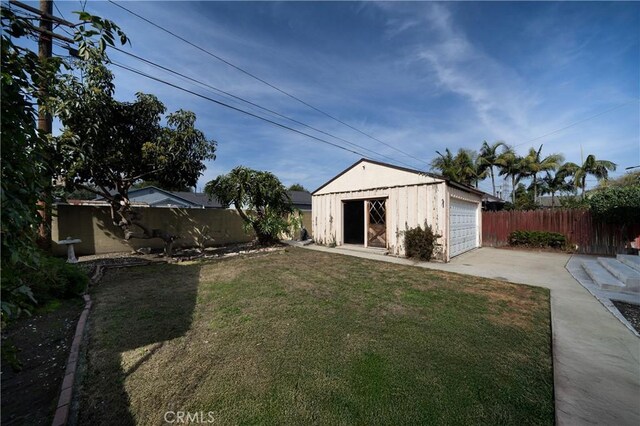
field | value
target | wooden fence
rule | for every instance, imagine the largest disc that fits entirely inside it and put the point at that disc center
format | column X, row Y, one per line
column 590, row 236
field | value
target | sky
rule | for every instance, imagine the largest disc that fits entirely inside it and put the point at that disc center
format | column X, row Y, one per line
column 418, row 76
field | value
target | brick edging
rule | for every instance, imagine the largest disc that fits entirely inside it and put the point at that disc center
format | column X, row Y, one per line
column 63, row 408
column 64, row 401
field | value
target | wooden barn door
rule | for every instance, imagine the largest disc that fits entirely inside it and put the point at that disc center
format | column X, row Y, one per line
column 377, row 223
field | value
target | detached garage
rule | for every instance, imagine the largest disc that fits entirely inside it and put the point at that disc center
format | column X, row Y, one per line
column 371, row 203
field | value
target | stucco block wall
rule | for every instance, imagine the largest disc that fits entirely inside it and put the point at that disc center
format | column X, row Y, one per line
column 307, row 221
column 93, row 226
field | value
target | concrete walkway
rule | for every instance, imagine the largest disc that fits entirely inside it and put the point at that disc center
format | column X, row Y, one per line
column 596, row 359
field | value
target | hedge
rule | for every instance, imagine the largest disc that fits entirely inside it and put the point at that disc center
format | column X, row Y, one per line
column 537, row 239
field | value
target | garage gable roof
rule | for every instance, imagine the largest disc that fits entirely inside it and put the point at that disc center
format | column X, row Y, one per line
column 375, row 174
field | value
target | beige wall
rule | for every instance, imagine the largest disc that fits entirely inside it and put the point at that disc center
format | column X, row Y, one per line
column 306, row 221
column 366, row 175
column 294, row 234
column 407, row 207
column 94, row 227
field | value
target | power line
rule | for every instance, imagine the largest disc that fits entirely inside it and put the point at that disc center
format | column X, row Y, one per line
column 133, row 70
column 252, row 103
column 577, row 122
column 264, row 81
column 63, row 17
column 59, row 11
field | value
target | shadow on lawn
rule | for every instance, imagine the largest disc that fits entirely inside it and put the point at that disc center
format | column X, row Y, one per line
column 134, row 314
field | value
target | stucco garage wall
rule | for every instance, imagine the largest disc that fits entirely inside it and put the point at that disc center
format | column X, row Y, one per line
column 407, row 207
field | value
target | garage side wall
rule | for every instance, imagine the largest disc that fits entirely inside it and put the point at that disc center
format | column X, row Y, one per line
column 406, row 206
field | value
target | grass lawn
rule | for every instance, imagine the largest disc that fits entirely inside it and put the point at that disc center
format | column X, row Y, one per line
column 302, row 337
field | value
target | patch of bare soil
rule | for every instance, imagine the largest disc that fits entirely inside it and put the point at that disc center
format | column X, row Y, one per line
column 510, row 304
column 630, row 312
column 42, row 342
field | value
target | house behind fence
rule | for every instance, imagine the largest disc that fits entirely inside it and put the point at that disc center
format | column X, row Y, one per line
column 590, row 236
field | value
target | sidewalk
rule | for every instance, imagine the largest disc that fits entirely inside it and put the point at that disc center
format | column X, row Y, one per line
column 596, row 359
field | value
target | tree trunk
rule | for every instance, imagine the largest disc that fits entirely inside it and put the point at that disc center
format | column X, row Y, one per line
column 535, row 188
column 584, row 183
column 263, row 238
column 553, row 200
column 493, row 182
column 513, row 189
column 128, row 218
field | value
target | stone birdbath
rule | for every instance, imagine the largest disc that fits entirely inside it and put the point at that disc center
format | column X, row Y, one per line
column 71, row 254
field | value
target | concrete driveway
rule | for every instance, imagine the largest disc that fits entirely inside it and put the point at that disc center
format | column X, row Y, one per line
column 596, row 359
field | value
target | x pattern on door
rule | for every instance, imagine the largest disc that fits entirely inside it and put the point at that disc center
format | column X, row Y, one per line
column 377, row 232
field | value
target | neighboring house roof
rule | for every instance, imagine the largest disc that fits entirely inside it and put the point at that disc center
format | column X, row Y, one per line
column 300, row 199
column 157, row 197
column 97, row 203
column 199, row 198
column 488, row 198
column 545, row 200
column 404, row 169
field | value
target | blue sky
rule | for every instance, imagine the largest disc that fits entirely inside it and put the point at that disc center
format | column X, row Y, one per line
column 419, row 76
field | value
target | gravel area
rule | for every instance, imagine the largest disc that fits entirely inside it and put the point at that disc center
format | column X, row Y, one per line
column 41, row 344
column 630, row 312
column 180, row 255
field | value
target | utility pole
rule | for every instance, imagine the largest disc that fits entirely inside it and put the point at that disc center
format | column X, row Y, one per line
column 45, row 48
column 45, row 51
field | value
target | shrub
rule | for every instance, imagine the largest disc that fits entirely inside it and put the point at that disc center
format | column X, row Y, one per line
column 23, row 287
column 537, row 239
column 420, row 243
column 57, row 279
column 618, row 205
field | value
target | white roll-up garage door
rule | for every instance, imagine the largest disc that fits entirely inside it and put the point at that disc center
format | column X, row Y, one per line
column 463, row 226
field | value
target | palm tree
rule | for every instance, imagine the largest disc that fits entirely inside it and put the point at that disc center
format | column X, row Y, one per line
column 550, row 184
column 487, row 159
column 533, row 164
column 469, row 171
column 510, row 165
column 598, row 168
column 462, row 168
column 446, row 164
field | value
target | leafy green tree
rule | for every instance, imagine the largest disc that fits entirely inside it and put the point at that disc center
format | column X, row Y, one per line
column 523, row 199
column 627, row 179
column 619, row 205
column 27, row 160
column 23, row 165
column 260, row 199
column 533, row 164
column 298, row 187
column 598, row 168
column 111, row 145
column 488, row 159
